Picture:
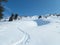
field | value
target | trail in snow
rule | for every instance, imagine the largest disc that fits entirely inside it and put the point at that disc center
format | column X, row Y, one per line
column 24, row 40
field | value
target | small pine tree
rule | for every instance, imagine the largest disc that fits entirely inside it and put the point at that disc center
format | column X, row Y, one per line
column 39, row 17
column 11, row 18
column 16, row 16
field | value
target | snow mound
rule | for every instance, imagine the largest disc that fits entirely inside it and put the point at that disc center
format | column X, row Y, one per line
column 27, row 24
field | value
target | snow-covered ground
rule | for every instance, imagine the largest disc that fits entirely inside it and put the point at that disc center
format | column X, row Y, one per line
column 44, row 31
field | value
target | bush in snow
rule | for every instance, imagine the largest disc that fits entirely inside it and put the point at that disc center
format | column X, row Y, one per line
column 39, row 17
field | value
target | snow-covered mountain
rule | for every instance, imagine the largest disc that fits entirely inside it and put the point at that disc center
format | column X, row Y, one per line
column 31, row 31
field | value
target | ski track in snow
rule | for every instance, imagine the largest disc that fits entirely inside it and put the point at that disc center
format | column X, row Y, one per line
column 24, row 40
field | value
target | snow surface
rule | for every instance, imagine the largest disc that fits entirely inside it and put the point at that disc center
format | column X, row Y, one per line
column 45, row 31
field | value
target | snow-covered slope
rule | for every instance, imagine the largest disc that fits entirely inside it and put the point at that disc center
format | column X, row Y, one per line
column 44, row 31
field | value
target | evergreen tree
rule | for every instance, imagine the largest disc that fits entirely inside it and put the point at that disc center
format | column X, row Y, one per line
column 11, row 18
column 2, row 8
column 16, row 16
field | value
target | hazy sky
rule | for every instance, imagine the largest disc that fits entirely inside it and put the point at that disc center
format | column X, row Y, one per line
column 32, row 7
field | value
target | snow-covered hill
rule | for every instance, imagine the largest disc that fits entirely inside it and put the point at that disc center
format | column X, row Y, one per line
column 31, row 31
